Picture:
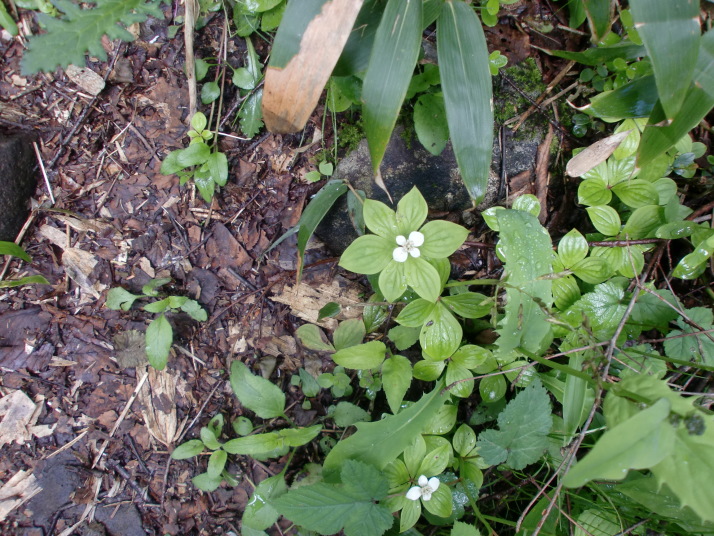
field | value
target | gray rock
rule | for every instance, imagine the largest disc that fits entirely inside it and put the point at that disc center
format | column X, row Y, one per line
column 17, row 183
column 406, row 164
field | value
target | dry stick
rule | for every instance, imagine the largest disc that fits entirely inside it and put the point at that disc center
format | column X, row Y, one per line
column 188, row 26
column 44, row 172
column 543, row 95
column 541, row 172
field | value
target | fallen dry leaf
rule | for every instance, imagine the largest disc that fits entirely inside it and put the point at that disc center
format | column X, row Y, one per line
column 19, row 415
column 158, row 396
column 595, row 155
column 16, row 491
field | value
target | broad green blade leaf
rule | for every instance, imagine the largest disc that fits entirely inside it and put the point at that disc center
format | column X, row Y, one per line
column 306, row 49
column 159, row 337
column 634, row 99
column 391, row 65
column 378, row 443
column 574, row 399
column 28, row 280
column 361, row 357
column 598, row 55
column 670, row 32
column 430, row 122
column 313, row 338
column 639, row 442
column 313, row 214
column 368, row 254
column 527, row 250
column 599, row 14
column 466, row 83
column 255, row 393
column 10, row 248
column 357, row 50
column 697, row 104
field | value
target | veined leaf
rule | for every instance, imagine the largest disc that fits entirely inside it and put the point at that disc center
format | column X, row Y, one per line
column 394, row 55
column 466, row 83
column 255, row 393
column 301, row 63
column 666, row 26
column 378, row 443
column 159, row 338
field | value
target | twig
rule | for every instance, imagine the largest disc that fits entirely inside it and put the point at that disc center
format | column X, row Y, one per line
column 44, row 172
column 188, row 27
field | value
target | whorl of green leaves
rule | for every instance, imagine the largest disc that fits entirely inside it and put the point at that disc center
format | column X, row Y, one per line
column 80, row 32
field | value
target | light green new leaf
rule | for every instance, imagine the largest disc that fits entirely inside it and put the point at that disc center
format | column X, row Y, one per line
column 392, row 281
column 527, row 203
column 468, row 304
column 572, row 248
column 416, row 313
column 458, row 373
column 605, row 219
column 189, row 449
column 640, row 442
column 368, row 254
column 423, row 278
column 380, row 219
column 466, row 83
column 441, row 334
column 412, row 210
column 593, row 192
column 396, row 379
column 119, row 298
column 523, row 430
column 216, row 463
column 403, row 337
column 441, row 503
column 395, row 52
column 257, row 394
column 259, row 513
column 349, row 333
column 378, row 443
column 442, row 238
column 361, row 357
column 159, row 337
column 193, row 155
column 313, row 338
column 206, row 482
column 666, row 26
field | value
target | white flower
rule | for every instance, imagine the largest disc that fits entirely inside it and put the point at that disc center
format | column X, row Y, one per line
column 424, row 490
column 408, row 247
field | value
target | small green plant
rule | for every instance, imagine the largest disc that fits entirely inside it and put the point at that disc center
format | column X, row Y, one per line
column 207, row 167
column 324, row 169
column 13, row 250
column 159, row 334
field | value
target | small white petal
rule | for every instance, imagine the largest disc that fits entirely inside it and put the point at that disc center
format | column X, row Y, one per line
column 400, row 254
column 434, row 483
column 401, row 240
column 414, row 252
column 423, row 481
column 414, row 493
column 426, row 494
column 416, row 238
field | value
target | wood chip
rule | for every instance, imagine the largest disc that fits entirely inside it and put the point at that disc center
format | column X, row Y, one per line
column 19, row 415
column 17, row 491
column 158, row 396
column 85, row 78
column 80, row 265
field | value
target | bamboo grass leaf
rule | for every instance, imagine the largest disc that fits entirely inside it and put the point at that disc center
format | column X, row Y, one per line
column 671, row 35
column 395, row 52
column 306, row 48
column 466, row 83
column 599, row 14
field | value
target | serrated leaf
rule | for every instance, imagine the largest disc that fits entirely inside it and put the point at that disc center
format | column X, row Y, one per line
column 640, row 442
column 604, row 306
column 523, row 430
column 378, row 443
column 466, row 84
column 605, row 219
column 464, row 529
column 193, row 309
column 346, row 414
column 257, row 394
column 361, row 357
column 349, row 333
column 395, row 52
column 396, row 379
column 189, row 449
column 159, row 338
column 80, row 32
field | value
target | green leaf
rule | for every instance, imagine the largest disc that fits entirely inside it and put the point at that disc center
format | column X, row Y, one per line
column 604, row 307
column 27, row 280
column 259, row 513
column 466, row 84
column 346, row 414
column 593, row 270
column 206, row 482
column 565, row 292
column 368, row 254
column 423, row 278
column 209, row 438
column 349, row 333
column 159, row 338
column 523, row 430
column 464, row 440
column 599, row 14
column 6, row 21
column 492, row 389
column 411, row 212
column 572, row 248
column 403, row 337
column 261, row 443
column 441, row 334
column 527, row 203
column 313, row 338
column 643, row 221
column 597, row 522
column 158, row 306
column 464, row 529
column 631, row 100
column 598, row 55
column 193, row 309
column 636, row 193
column 328, row 508
column 10, row 248
column 442, row 238
column 251, row 114
column 469, row 304
column 243, row 78
column 428, row 371
column 119, row 298
column 458, row 373
column 430, row 122
column 605, row 219
column 257, row 394
column 380, row 219
column 330, row 310
column 594, row 192
column 443, row 421
column 392, row 281
column 210, row 92
column 692, row 265
column 475, row 358
column 218, row 167
column 396, row 379
column 216, row 463
column 80, row 32
column 677, row 229
column 361, row 357
column 640, row 442
column 527, row 248
column 416, row 313
column 396, row 48
column 665, row 26
column 441, row 503
column 189, row 449
column 378, row 443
